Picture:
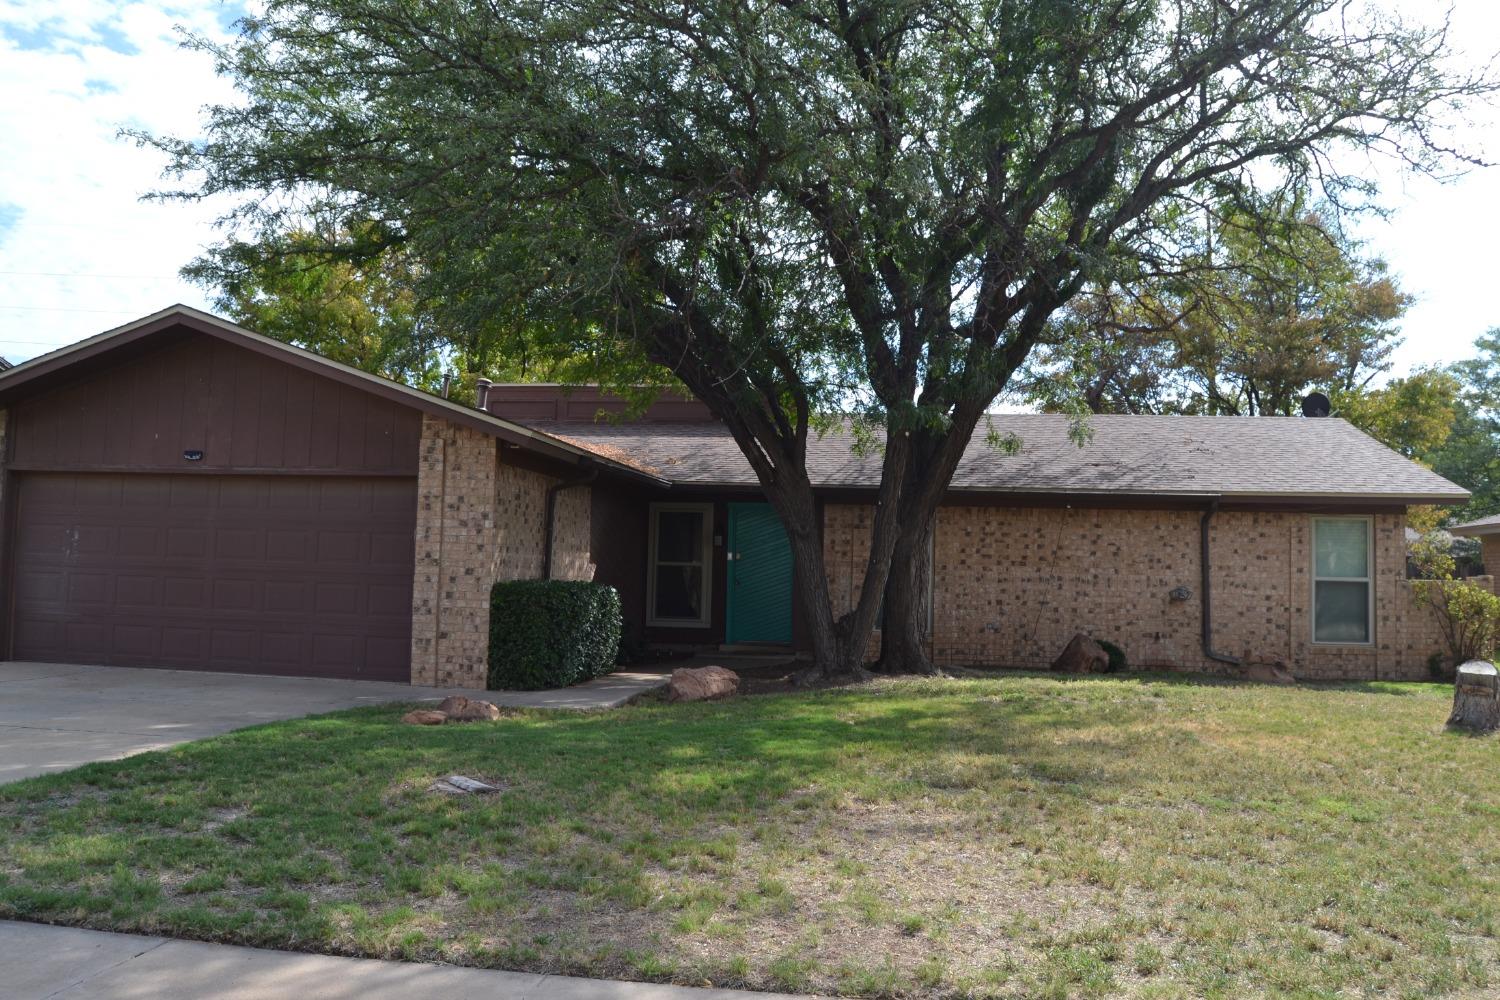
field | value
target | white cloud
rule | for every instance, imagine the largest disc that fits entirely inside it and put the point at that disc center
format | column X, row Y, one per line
column 79, row 251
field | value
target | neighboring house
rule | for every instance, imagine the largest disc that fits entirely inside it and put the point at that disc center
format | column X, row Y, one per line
column 182, row 492
column 1487, row 531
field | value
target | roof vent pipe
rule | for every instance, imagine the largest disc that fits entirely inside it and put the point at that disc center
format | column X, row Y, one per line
column 482, row 394
column 447, row 384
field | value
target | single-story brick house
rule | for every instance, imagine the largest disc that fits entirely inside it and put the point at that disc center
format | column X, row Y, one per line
column 183, row 492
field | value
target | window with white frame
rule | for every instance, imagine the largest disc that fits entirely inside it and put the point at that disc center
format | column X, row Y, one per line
column 1343, row 584
column 679, row 583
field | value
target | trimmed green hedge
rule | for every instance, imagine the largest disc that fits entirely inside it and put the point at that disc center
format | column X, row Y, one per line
column 552, row 633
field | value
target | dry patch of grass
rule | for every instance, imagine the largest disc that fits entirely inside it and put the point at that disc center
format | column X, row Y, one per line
column 1018, row 836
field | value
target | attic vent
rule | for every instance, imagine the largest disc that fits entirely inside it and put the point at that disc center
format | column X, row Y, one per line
column 1316, row 405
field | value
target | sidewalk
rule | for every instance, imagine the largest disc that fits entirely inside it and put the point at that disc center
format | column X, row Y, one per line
column 40, row 962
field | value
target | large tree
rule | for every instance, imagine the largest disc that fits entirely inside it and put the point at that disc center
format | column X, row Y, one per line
column 1276, row 302
column 1470, row 454
column 802, row 205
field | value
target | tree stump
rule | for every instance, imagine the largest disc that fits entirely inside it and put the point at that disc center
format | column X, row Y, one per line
column 1476, row 697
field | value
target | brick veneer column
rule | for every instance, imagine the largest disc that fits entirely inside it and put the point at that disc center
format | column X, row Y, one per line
column 455, row 556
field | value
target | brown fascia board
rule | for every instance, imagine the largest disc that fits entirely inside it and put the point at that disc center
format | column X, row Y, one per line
column 196, row 320
column 1310, row 502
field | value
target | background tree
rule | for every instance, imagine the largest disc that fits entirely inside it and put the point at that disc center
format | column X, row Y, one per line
column 1415, row 415
column 363, row 312
column 797, row 205
column 1276, row 304
column 1470, row 454
column 369, row 309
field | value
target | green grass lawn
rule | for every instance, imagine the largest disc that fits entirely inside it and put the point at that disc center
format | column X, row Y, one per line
column 1018, row 836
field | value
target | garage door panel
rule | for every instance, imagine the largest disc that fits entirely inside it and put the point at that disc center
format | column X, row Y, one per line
column 138, row 591
column 38, row 633
column 136, row 640
column 145, row 491
column 239, row 543
column 184, row 593
column 283, row 649
column 282, row 545
column 231, row 648
column 188, row 543
column 184, row 645
column 90, row 589
column 236, row 595
column 41, row 586
column 285, row 596
column 341, row 546
column 390, row 549
column 283, row 575
column 387, row 654
column 141, row 541
column 99, row 491
column 192, row 492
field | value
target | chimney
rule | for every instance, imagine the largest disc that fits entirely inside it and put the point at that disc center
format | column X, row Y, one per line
column 482, row 394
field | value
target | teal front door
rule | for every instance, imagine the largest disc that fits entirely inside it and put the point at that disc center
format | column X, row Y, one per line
column 760, row 576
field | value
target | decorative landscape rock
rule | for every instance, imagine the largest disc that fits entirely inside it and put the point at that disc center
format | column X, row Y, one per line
column 425, row 717
column 460, row 709
column 702, row 683
column 1269, row 673
column 1476, row 697
column 1082, row 655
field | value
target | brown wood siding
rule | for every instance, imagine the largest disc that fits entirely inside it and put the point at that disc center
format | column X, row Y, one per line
column 247, row 413
column 617, row 546
column 255, row 574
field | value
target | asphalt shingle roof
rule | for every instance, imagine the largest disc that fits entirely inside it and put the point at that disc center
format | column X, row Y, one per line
column 1484, row 526
column 1139, row 455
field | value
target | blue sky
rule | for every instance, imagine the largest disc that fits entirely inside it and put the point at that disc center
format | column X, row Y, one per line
column 79, row 251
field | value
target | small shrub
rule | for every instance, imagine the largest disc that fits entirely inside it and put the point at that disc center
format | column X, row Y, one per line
column 1468, row 614
column 1117, row 661
column 1469, row 617
column 552, row 633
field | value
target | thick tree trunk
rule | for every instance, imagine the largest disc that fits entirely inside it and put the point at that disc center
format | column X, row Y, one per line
column 839, row 641
column 908, row 592
column 1476, row 698
column 906, row 627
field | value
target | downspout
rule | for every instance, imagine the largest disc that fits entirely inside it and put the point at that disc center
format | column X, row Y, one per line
column 1207, row 588
column 550, row 528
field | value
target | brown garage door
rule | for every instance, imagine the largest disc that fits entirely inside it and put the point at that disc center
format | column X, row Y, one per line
column 260, row 574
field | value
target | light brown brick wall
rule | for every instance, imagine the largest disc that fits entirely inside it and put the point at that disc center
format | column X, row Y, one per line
column 1489, row 552
column 1012, row 585
column 572, row 557
column 456, row 554
column 479, row 520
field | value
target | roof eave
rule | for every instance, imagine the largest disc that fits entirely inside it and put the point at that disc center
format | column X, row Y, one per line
column 1404, row 499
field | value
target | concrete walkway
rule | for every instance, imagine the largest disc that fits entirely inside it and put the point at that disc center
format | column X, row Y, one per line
column 55, row 716
column 38, row 962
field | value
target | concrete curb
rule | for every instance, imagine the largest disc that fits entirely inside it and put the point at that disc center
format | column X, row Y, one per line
column 42, row 962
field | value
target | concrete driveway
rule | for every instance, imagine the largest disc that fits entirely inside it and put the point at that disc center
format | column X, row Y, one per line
column 56, row 716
